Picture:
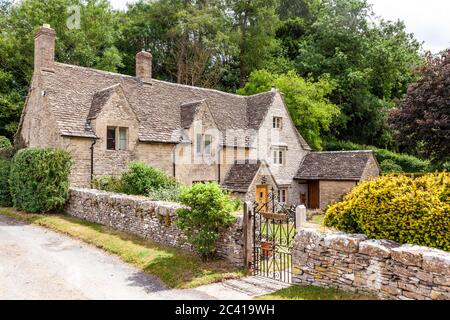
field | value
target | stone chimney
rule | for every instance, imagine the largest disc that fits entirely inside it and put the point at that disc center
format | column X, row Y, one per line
column 144, row 66
column 44, row 49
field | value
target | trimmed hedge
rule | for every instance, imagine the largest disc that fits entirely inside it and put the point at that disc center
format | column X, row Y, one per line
column 407, row 163
column 39, row 179
column 5, row 194
column 388, row 166
column 399, row 208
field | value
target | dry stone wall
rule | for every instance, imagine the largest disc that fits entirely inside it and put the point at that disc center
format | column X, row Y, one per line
column 379, row 267
column 149, row 219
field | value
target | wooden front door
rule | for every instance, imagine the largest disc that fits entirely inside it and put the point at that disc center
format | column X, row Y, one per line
column 262, row 196
column 313, row 195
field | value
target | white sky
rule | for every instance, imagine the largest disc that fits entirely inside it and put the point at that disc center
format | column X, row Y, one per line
column 429, row 20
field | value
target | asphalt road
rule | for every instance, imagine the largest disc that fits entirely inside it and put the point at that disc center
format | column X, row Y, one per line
column 36, row 263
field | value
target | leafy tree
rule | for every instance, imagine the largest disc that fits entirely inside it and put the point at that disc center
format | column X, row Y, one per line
column 422, row 122
column 188, row 39
column 254, row 26
column 306, row 100
column 93, row 45
column 370, row 62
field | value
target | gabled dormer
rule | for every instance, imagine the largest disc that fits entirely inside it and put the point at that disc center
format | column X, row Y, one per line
column 112, row 120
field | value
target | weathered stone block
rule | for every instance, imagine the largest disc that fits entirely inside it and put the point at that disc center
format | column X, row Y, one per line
column 344, row 243
column 408, row 255
column 437, row 261
column 377, row 248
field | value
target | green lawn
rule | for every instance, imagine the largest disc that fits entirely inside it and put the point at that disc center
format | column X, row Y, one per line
column 315, row 293
column 319, row 219
column 176, row 268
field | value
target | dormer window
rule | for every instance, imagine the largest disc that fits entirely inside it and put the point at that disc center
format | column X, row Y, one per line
column 204, row 144
column 117, row 138
column 277, row 122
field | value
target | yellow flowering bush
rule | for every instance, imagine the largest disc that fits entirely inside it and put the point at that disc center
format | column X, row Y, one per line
column 399, row 208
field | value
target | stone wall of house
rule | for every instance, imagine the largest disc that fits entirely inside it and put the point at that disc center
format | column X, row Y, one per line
column 80, row 149
column 286, row 137
column 149, row 219
column 263, row 175
column 38, row 127
column 383, row 268
column 333, row 191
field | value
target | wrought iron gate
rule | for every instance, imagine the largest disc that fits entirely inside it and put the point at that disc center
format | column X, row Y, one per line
column 273, row 235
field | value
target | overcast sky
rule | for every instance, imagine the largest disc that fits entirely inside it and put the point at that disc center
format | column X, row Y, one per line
column 427, row 19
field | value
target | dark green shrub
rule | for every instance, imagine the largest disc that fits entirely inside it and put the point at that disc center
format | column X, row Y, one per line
column 139, row 179
column 399, row 208
column 409, row 164
column 5, row 143
column 39, row 179
column 210, row 212
column 107, row 183
column 388, row 166
column 5, row 194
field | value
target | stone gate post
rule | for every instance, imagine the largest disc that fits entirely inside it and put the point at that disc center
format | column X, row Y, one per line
column 248, row 234
column 300, row 217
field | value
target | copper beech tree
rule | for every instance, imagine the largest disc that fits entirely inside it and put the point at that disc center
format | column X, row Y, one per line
column 422, row 121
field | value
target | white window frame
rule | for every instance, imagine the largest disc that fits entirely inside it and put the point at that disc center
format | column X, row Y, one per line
column 199, row 142
column 123, row 143
column 279, row 157
column 282, row 195
column 277, row 122
column 118, row 146
column 208, row 140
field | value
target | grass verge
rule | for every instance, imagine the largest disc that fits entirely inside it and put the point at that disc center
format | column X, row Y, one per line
column 176, row 268
column 315, row 293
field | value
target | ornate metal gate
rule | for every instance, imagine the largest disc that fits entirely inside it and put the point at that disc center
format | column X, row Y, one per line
column 273, row 235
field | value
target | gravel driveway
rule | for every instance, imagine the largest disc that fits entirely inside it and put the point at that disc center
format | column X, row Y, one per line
column 36, row 263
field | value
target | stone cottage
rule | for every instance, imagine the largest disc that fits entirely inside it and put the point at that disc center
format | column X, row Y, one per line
column 328, row 176
column 250, row 145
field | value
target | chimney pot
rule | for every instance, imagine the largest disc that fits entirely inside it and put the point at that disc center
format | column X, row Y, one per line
column 144, row 66
column 44, row 49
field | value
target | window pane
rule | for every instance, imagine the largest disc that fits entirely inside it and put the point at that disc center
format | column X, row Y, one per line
column 281, row 157
column 208, row 141
column 199, row 144
column 275, row 158
column 123, row 141
column 111, row 139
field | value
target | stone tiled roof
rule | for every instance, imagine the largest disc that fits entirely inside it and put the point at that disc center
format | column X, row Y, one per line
column 99, row 100
column 240, row 176
column 188, row 113
column 77, row 94
column 339, row 165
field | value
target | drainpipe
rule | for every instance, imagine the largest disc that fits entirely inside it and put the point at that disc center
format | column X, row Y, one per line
column 94, row 141
column 174, row 161
column 218, row 164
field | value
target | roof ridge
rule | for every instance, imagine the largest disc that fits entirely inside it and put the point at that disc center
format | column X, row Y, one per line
column 94, row 70
column 108, row 88
column 342, row 151
column 166, row 82
column 191, row 103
